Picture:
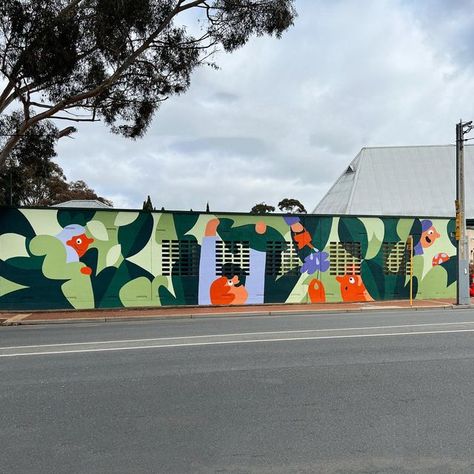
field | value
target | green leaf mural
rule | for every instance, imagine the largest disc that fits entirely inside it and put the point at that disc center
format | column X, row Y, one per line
column 279, row 289
column 133, row 237
column 228, row 231
column 12, row 221
column 183, row 223
column 73, row 216
column 27, row 272
column 42, row 266
column 319, row 228
column 352, row 229
column 373, row 278
column 451, row 267
column 451, row 230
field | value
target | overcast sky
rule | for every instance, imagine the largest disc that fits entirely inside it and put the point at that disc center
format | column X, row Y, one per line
column 283, row 118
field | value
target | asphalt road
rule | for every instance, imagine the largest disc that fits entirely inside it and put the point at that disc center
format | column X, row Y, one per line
column 377, row 392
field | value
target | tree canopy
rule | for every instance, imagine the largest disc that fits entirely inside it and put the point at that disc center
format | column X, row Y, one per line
column 113, row 60
column 32, row 178
column 293, row 206
column 287, row 205
column 262, row 208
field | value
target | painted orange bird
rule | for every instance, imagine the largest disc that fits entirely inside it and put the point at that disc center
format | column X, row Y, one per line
column 353, row 288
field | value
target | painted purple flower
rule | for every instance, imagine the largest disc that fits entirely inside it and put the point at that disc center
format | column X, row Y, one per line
column 315, row 261
column 290, row 220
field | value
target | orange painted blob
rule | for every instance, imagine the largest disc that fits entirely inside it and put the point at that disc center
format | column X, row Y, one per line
column 353, row 288
column 303, row 239
column 316, row 291
column 86, row 270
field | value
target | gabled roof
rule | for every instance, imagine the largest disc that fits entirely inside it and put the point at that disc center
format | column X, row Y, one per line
column 401, row 181
column 94, row 203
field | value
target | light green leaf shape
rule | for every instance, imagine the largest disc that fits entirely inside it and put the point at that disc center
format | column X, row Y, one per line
column 165, row 228
column 403, row 228
column 200, row 226
column 332, row 288
column 418, row 267
column 103, row 247
column 142, row 292
column 7, row 286
column 375, row 233
column 54, row 265
column 43, row 221
column 125, row 218
column 434, row 284
column 334, row 234
column 149, row 256
column 78, row 288
column 156, row 283
column 12, row 245
column 79, row 292
column 442, row 244
column 373, row 248
column 136, row 292
column 97, row 230
column 113, row 255
column 299, row 293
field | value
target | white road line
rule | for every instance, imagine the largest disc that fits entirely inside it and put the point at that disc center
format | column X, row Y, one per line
column 296, row 331
column 245, row 341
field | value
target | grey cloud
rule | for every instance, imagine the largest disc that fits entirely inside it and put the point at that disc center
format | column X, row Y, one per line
column 222, row 146
column 225, row 97
column 448, row 26
column 288, row 115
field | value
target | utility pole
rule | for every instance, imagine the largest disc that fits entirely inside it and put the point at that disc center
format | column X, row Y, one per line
column 463, row 297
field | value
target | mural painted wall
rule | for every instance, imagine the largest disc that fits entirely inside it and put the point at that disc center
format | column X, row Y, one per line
column 87, row 258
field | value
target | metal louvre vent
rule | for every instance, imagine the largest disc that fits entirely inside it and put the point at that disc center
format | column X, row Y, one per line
column 233, row 256
column 282, row 259
column 180, row 258
column 396, row 258
column 345, row 258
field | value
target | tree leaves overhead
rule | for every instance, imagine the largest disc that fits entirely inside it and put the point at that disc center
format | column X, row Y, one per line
column 31, row 178
column 115, row 60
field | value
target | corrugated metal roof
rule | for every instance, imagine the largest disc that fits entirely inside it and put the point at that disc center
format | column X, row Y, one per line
column 82, row 203
column 408, row 180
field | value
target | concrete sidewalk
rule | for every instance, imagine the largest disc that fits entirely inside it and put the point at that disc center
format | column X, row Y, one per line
column 123, row 314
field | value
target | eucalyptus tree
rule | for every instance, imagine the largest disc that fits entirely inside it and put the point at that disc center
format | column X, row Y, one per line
column 114, row 60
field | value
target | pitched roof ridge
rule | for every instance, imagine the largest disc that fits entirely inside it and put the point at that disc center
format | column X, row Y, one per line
column 388, row 147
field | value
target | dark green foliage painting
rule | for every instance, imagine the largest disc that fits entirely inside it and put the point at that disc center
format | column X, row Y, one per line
column 84, row 258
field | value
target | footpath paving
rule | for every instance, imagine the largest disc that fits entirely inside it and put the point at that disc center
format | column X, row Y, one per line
column 12, row 318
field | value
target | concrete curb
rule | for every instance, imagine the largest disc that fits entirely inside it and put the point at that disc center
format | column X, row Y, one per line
column 187, row 315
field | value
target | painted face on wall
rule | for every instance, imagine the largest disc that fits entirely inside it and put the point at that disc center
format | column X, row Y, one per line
column 80, row 243
column 428, row 237
column 353, row 288
column 228, row 291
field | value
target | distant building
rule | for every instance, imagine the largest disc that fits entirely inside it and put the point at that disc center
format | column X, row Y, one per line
column 92, row 203
column 401, row 181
